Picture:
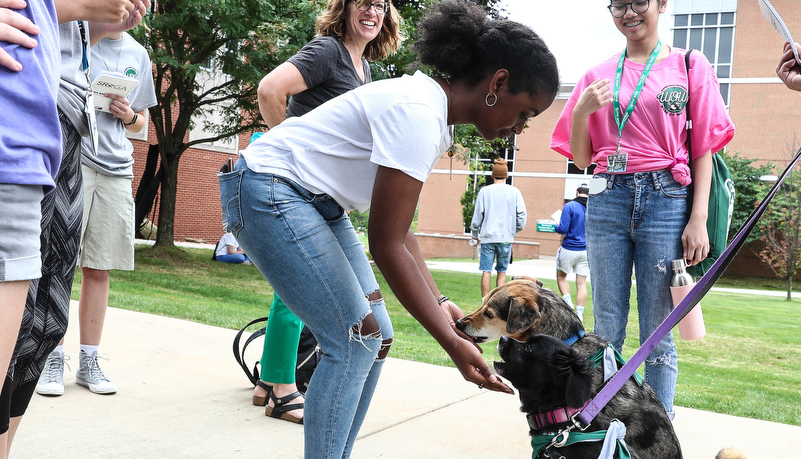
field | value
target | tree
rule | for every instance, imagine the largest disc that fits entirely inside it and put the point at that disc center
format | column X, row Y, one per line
column 780, row 231
column 209, row 58
column 749, row 188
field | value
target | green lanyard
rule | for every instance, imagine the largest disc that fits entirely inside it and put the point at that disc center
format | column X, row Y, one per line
column 637, row 90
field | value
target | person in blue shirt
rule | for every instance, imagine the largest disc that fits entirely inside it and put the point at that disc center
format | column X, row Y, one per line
column 572, row 255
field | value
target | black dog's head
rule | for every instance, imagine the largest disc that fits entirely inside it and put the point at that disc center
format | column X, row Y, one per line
column 546, row 372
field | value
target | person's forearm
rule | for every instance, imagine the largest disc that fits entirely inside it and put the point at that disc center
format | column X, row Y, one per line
column 702, row 178
column 138, row 124
column 580, row 144
column 414, row 250
column 403, row 274
column 111, row 11
column 272, row 108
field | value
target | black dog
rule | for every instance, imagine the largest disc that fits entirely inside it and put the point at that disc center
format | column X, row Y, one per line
column 524, row 308
column 550, row 377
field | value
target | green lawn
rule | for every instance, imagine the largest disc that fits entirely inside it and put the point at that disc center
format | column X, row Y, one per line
column 747, row 365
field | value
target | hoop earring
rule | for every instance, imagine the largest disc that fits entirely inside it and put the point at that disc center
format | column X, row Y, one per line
column 486, row 100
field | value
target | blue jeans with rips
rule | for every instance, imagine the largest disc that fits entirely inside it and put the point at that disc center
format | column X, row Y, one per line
column 637, row 220
column 305, row 246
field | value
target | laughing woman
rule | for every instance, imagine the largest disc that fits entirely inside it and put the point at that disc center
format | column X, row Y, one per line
column 374, row 147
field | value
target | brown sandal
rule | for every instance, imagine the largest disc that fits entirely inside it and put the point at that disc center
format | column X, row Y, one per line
column 262, row 401
column 281, row 409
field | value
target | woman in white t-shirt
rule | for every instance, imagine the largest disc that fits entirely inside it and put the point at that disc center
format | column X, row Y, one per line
column 373, row 147
column 228, row 250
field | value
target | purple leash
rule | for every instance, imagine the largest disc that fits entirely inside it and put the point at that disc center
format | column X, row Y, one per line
column 693, row 297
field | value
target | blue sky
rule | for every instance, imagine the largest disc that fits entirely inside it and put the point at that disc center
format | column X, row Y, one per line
column 580, row 33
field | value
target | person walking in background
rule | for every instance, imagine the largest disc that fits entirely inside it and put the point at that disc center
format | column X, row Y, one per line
column 638, row 215
column 373, row 148
column 500, row 214
column 789, row 70
column 107, row 229
column 572, row 254
column 348, row 35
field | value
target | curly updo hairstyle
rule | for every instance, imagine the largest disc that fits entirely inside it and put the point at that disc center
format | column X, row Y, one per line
column 460, row 41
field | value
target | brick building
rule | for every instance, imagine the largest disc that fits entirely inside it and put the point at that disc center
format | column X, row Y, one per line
column 742, row 47
column 737, row 40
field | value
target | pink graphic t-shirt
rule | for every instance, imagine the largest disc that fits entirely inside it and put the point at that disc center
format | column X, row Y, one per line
column 654, row 137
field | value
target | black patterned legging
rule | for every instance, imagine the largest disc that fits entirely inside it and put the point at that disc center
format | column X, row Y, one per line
column 47, row 306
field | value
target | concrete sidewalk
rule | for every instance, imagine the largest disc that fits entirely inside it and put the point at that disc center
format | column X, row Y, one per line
column 182, row 395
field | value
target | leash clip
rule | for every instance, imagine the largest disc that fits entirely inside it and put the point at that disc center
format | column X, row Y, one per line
column 577, row 424
column 564, row 434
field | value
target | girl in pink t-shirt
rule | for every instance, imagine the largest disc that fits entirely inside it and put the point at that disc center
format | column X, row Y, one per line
column 637, row 214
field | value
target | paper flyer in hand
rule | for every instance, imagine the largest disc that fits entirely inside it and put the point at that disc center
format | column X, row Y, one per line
column 772, row 15
column 111, row 83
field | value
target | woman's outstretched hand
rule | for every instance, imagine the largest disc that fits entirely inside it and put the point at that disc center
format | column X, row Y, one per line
column 474, row 369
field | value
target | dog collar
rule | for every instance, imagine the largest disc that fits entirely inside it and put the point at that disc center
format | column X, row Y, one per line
column 572, row 340
column 538, row 421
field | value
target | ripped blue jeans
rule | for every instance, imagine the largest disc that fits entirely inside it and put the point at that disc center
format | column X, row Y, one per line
column 306, row 247
column 637, row 221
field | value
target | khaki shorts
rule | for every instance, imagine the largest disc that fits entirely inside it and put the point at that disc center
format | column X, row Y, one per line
column 20, row 228
column 107, row 234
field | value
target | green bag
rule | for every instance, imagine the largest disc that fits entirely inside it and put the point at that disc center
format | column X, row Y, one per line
column 721, row 199
column 721, row 206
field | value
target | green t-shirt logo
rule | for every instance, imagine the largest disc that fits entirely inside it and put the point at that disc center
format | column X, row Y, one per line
column 130, row 72
column 673, row 99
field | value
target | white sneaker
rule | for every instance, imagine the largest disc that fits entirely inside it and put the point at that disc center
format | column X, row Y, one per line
column 580, row 312
column 90, row 375
column 51, row 382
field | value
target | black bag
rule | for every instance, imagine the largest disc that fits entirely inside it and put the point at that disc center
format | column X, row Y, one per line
column 309, row 354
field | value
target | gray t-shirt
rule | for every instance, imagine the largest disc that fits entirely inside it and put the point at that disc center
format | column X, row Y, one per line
column 73, row 85
column 328, row 71
column 127, row 57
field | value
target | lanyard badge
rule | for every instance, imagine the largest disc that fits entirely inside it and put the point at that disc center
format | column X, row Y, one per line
column 617, row 163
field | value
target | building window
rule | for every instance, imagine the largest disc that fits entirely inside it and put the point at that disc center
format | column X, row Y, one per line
column 713, row 34
column 206, row 119
column 572, row 169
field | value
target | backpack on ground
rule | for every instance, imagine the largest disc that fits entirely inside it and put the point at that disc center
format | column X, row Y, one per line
column 308, row 354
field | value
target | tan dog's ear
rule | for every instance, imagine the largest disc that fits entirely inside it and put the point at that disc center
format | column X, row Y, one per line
column 522, row 315
column 528, row 278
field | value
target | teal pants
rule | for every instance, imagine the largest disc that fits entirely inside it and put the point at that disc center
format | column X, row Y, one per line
column 280, row 355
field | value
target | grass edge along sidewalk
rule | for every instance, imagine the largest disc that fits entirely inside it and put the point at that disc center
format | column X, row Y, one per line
column 746, row 366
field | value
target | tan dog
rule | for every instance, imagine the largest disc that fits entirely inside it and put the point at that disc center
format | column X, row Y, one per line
column 514, row 309
column 523, row 308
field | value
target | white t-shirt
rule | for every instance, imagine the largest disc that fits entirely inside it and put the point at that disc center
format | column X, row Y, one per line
column 400, row 123
column 226, row 240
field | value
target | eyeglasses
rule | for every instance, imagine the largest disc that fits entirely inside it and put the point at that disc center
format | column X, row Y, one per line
column 618, row 9
column 379, row 7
